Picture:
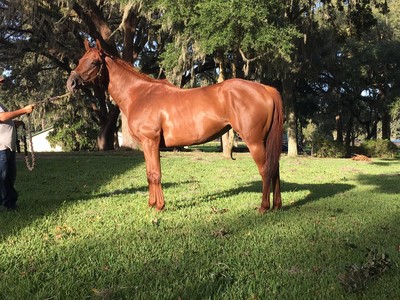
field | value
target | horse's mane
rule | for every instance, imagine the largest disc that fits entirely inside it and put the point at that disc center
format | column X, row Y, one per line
column 134, row 70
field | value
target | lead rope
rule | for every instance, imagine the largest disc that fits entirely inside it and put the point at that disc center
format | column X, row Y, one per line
column 31, row 161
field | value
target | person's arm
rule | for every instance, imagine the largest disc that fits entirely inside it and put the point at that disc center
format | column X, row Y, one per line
column 9, row 115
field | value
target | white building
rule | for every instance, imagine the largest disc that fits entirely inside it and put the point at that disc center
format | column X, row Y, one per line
column 41, row 144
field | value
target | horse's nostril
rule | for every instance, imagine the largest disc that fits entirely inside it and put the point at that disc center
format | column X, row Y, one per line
column 72, row 84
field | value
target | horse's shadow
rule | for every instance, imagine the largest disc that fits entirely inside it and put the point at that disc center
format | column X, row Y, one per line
column 144, row 189
column 315, row 193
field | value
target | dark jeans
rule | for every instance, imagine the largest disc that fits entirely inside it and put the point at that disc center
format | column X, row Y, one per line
column 8, row 173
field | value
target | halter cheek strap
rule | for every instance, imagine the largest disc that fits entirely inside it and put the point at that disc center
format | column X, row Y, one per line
column 97, row 76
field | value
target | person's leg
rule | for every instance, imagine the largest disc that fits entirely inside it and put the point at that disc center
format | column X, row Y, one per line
column 3, row 173
column 10, row 195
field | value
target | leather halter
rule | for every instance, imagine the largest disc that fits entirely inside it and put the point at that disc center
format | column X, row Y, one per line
column 97, row 76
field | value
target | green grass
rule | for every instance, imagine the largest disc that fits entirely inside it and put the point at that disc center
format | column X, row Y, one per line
column 84, row 231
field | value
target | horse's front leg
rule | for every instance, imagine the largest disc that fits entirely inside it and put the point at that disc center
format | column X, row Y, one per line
column 153, row 169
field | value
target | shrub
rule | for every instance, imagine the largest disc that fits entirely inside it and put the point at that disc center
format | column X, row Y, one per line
column 379, row 148
column 323, row 144
column 329, row 148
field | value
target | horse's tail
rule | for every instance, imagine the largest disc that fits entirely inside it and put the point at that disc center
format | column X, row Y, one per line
column 273, row 142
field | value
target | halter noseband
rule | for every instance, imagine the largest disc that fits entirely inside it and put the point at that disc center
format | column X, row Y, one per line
column 84, row 82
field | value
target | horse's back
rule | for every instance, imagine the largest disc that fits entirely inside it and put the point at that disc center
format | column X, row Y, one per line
column 251, row 107
column 248, row 96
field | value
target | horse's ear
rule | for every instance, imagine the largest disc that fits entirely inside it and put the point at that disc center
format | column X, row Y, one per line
column 87, row 45
column 98, row 45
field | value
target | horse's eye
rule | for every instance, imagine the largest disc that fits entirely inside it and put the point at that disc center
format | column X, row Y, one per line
column 95, row 63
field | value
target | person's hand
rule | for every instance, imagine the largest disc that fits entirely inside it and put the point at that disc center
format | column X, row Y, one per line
column 29, row 108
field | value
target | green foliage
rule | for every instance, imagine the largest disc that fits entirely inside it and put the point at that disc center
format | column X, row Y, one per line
column 238, row 23
column 332, row 51
column 74, row 133
column 395, row 114
column 379, row 148
column 252, row 26
column 177, row 58
column 357, row 55
column 212, row 27
column 30, row 82
column 310, row 133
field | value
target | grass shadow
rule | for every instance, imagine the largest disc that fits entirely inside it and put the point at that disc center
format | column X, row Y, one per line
column 65, row 178
column 383, row 183
column 386, row 162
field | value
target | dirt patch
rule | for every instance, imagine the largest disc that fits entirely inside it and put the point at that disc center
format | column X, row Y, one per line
column 359, row 157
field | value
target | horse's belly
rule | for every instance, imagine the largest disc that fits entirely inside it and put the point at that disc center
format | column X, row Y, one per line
column 193, row 133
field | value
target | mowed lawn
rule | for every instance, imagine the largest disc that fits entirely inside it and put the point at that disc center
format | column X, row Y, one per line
column 83, row 229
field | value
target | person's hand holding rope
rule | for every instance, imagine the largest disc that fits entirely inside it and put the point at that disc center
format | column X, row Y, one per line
column 29, row 108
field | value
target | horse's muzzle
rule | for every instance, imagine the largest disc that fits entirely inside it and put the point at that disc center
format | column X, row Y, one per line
column 73, row 82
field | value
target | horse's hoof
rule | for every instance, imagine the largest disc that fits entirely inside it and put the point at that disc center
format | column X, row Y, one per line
column 160, row 209
column 262, row 210
column 277, row 206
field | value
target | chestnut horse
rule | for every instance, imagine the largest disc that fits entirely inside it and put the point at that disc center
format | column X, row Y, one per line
column 159, row 113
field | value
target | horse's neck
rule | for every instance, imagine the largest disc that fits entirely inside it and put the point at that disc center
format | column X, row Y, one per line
column 121, row 83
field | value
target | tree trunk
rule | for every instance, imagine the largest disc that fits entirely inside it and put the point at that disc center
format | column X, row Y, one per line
column 348, row 138
column 384, row 96
column 106, row 137
column 227, row 138
column 227, row 143
column 128, row 54
column 339, row 128
column 107, row 115
column 290, row 116
column 372, row 130
column 386, row 125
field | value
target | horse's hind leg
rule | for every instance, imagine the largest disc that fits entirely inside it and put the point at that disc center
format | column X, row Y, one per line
column 258, row 152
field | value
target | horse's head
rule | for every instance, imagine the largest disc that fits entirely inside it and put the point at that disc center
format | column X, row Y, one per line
column 89, row 69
